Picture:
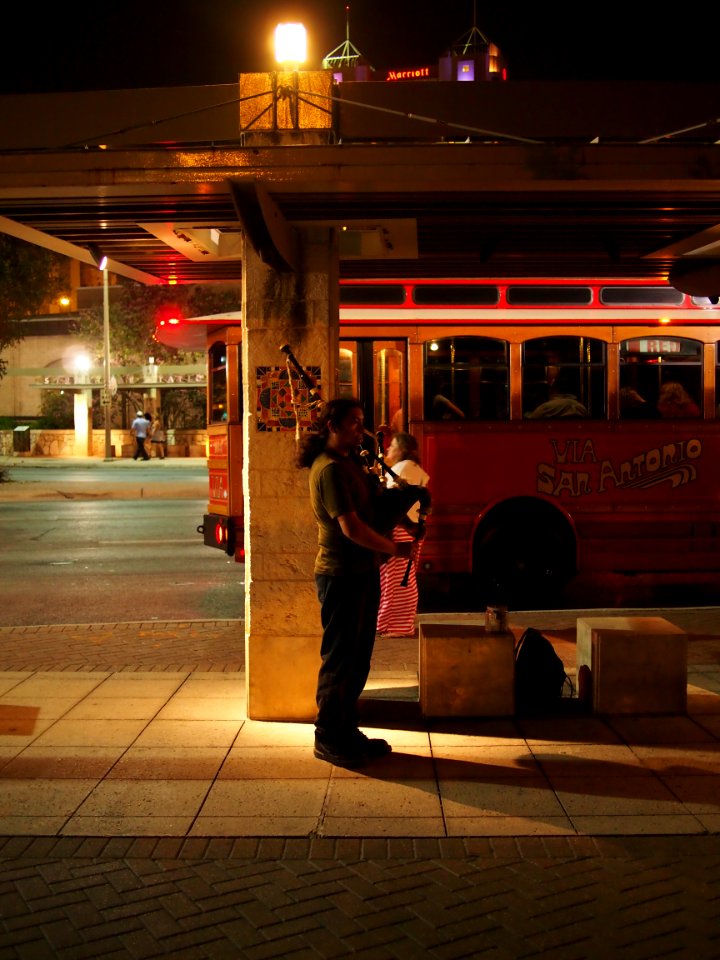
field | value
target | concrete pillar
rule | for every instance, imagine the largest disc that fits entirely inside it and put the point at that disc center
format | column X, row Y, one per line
column 82, row 401
column 282, row 620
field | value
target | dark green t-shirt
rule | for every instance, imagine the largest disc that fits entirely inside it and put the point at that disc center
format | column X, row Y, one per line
column 338, row 485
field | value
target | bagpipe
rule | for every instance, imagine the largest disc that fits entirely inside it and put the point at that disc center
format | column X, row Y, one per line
column 390, row 505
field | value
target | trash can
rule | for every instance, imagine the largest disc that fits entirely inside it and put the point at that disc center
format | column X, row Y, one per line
column 21, row 439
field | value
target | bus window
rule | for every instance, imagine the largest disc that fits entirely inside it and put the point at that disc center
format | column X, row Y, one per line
column 389, row 386
column 563, row 377
column 347, row 371
column 665, row 373
column 373, row 371
column 466, row 378
column 217, row 391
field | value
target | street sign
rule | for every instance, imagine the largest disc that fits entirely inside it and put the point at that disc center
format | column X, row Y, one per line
column 105, row 398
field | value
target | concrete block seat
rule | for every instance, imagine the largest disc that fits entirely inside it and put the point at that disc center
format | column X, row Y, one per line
column 465, row 671
column 631, row 665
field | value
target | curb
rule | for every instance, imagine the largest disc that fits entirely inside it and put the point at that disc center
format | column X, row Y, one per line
column 24, row 491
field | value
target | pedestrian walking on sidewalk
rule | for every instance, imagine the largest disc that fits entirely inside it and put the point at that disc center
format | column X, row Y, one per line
column 157, row 437
column 140, row 428
column 148, row 417
column 347, row 578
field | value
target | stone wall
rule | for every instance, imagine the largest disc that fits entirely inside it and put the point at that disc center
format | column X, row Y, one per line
column 61, row 443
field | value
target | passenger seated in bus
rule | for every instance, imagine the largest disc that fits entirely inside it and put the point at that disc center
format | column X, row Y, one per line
column 445, row 409
column 562, row 402
column 635, row 407
column 441, row 407
column 675, row 401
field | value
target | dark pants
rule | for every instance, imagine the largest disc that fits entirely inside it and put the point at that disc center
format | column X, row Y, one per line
column 140, row 450
column 348, row 612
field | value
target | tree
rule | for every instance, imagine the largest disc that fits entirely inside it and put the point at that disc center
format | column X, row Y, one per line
column 136, row 310
column 185, row 408
column 29, row 277
column 57, row 410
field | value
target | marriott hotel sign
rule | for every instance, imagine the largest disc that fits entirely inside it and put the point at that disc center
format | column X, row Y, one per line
column 414, row 73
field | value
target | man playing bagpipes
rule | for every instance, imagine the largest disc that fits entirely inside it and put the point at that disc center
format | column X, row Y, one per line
column 354, row 515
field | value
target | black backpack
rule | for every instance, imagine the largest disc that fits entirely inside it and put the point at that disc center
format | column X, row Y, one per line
column 540, row 677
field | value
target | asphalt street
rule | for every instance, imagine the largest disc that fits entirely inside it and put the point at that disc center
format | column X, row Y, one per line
column 99, row 560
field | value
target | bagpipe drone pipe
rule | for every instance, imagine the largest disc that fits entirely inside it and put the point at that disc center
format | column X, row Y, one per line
column 302, row 375
column 390, row 504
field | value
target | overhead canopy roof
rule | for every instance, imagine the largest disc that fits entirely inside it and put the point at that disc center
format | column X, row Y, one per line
column 164, row 182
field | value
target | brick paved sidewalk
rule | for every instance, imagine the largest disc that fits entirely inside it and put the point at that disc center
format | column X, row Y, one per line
column 220, row 644
column 181, row 645
column 566, row 898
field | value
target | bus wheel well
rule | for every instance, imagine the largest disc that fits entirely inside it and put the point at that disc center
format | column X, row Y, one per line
column 524, row 552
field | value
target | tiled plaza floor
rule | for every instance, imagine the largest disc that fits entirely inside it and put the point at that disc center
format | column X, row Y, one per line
column 158, row 748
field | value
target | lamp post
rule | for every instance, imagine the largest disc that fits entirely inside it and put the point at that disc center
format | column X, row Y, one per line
column 101, row 262
column 290, row 53
column 286, row 114
column 107, row 397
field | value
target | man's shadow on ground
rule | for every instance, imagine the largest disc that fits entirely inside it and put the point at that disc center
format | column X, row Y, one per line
column 547, row 760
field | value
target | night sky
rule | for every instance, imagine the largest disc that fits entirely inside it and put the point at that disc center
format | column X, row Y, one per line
column 102, row 45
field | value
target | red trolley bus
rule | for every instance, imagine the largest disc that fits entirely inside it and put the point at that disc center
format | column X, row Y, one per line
column 568, row 426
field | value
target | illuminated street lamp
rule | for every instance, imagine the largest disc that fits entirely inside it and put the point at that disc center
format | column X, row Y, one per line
column 98, row 256
column 290, row 45
column 81, row 363
column 101, row 261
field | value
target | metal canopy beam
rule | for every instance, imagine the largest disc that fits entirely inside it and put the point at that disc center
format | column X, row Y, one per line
column 479, row 209
column 271, row 235
column 49, row 242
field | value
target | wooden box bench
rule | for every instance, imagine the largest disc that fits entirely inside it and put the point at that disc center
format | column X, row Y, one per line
column 631, row 665
column 465, row 671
